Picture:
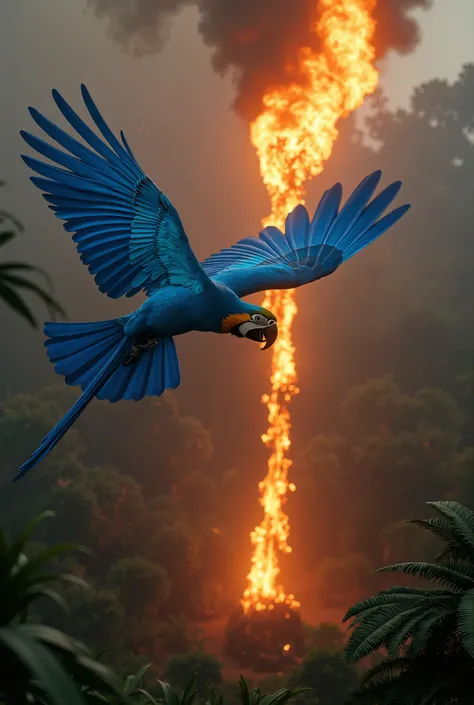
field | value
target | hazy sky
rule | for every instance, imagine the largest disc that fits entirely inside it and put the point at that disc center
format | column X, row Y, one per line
column 447, row 43
column 173, row 107
column 175, row 112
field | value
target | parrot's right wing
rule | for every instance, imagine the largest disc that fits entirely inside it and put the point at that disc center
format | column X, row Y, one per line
column 127, row 231
column 307, row 251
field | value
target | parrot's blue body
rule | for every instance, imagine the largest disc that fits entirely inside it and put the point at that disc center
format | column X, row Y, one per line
column 131, row 238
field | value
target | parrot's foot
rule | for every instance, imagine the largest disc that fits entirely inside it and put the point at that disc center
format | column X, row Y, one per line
column 144, row 346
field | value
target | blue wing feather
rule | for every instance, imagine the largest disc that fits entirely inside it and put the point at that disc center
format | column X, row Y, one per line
column 127, row 231
column 74, row 147
column 308, row 250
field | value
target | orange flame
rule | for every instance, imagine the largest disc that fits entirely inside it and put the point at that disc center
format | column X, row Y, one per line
column 294, row 135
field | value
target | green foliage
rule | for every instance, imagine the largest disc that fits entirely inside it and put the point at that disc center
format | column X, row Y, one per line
column 141, row 584
column 36, row 660
column 181, row 669
column 179, row 636
column 433, row 678
column 326, row 636
column 362, row 481
column 255, row 697
column 132, row 689
column 178, row 514
column 328, row 675
column 427, row 632
column 12, row 279
column 95, row 614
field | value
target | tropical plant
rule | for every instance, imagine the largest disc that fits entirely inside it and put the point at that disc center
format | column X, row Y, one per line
column 255, row 697
column 12, row 280
column 328, row 674
column 169, row 697
column 428, row 633
column 132, row 689
column 39, row 664
column 182, row 668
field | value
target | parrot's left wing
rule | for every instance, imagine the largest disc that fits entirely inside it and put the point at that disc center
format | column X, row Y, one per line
column 308, row 250
column 127, row 231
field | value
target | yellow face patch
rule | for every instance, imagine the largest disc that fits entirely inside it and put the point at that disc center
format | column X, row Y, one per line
column 235, row 319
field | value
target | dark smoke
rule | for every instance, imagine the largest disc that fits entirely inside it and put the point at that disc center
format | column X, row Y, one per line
column 257, row 40
column 138, row 26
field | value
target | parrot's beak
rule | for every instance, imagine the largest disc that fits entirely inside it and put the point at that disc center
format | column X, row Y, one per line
column 266, row 335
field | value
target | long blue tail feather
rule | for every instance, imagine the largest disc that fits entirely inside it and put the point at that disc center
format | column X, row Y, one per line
column 91, row 355
column 55, row 435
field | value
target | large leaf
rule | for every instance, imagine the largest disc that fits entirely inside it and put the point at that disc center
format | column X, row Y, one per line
column 282, row 696
column 132, row 682
column 6, row 236
column 168, row 694
column 461, row 518
column 76, row 657
column 396, row 594
column 466, row 621
column 17, row 304
column 12, row 284
column 453, row 575
column 43, row 666
column 10, row 554
column 13, row 280
column 373, row 634
column 5, row 215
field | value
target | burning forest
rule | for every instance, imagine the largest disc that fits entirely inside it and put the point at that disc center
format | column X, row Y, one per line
column 228, row 543
column 299, row 68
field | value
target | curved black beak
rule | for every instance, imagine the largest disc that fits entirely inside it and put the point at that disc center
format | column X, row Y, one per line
column 266, row 335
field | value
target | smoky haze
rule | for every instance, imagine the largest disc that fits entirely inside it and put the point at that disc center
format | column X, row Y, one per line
column 257, row 41
column 148, row 475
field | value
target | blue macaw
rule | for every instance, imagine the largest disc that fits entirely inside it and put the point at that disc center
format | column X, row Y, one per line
column 131, row 238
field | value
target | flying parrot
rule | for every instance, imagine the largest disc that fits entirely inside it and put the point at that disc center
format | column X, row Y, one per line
column 132, row 240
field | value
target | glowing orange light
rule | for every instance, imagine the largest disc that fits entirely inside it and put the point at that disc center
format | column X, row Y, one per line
column 287, row 647
column 294, row 136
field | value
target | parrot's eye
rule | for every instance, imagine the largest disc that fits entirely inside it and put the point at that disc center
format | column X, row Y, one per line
column 258, row 318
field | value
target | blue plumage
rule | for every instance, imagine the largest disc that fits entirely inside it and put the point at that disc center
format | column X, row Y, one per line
column 54, row 436
column 308, row 250
column 131, row 238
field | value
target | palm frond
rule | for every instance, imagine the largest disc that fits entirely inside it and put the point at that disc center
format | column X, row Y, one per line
column 13, row 280
column 396, row 682
column 424, row 632
column 6, row 235
column 15, row 302
column 12, row 284
column 396, row 594
column 5, row 215
column 442, row 528
column 456, row 574
column 374, row 633
column 418, row 629
column 461, row 519
column 465, row 623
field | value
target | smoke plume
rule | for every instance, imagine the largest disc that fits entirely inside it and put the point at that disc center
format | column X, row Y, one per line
column 258, row 40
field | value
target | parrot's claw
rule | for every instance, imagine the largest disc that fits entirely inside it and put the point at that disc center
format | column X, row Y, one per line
column 138, row 348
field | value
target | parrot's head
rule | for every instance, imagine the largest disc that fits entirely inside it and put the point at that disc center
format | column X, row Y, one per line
column 256, row 324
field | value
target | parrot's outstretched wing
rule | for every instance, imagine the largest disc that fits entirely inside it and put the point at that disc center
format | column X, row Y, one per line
column 128, row 233
column 308, row 250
